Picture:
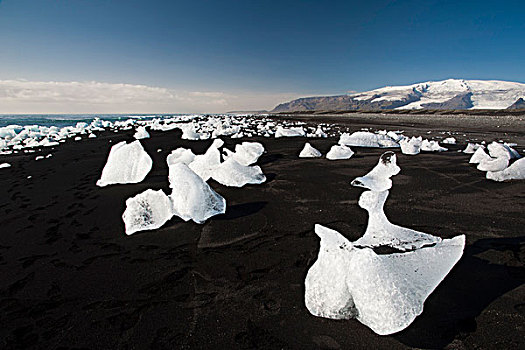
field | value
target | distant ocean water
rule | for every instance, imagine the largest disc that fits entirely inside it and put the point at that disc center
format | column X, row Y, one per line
column 61, row 120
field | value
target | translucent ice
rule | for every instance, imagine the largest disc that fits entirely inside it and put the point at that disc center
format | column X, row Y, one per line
column 381, row 232
column 367, row 139
column 246, row 153
column 192, row 198
column 204, row 164
column 234, row 174
column 472, row 148
column 147, row 211
column 498, row 150
column 141, row 133
column 432, row 146
column 289, row 132
column 516, row 171
column 378, row 179
column 339, row 152
column 493, row 164
column 479, row 156
column 411, row 146
column 126, row 163
column 309, row 152
column 384, row 292
column 180, row 155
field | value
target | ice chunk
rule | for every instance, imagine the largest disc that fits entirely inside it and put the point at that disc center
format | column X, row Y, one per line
column 498, row 150
column 193, row 199
column 479, row 156
column 5, row 165
column 127, row 163
column 189, row 133
column 234, row 174
column 320, row 133
column 180, row 155
column 493, row 164
column 339, row 152
column 246, row 153
column 449, row 141
column 39, row 157
column 380, row 232
column 513, row 153
column 327, row 292
column 384, row 292
column 309, row 152
column 141, row 133
column 289, row 132
column 367, row 139
column 432, row 146
column 516, row 171
column 148, row 210
column 472, row 148
column 411, row 146
column 204, row 164
column 378, row 179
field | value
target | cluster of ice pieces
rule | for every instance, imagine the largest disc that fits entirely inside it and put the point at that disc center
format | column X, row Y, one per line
column 191, row 197
column 385, row 292
column 497, row 162
column 390, row 139
column 336, row 152
column 16, row 138
column 236, row 170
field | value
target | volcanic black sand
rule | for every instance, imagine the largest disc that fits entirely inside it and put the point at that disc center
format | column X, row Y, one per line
column 71, row 278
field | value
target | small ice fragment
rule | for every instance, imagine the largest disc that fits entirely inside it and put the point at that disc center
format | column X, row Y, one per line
column 180, row 155
column 204, row 164
column 516, row 171
column 234, row 174
column 246, row 153
column 432, row 146
column 378, row 179
column 39, row 157
column 126, row 163
column 148, row 210
column 472, row 148
column 289, row 132
column 309, row 152
column 367, row 139
column 411, row 146
column 494, row 164
column 78, row 138
column 141, row 133
column 5, row 165
column 449, row 141
column 192, row 198
column 339, row 152
column 479, row 156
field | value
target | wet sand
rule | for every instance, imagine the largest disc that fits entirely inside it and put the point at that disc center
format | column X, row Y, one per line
column 71, row 278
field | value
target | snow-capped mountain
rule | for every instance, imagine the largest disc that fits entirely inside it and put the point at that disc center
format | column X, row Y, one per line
column 446, row 94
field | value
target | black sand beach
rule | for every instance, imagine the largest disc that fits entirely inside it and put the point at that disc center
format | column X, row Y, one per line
column 71, row 278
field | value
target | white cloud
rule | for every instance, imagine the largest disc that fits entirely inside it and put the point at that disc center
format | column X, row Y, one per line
column 22, row 96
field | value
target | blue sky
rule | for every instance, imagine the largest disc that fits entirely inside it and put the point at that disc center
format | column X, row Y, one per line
column 253, row 54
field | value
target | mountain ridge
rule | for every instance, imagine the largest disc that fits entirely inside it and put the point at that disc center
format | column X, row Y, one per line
column 445, row 94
